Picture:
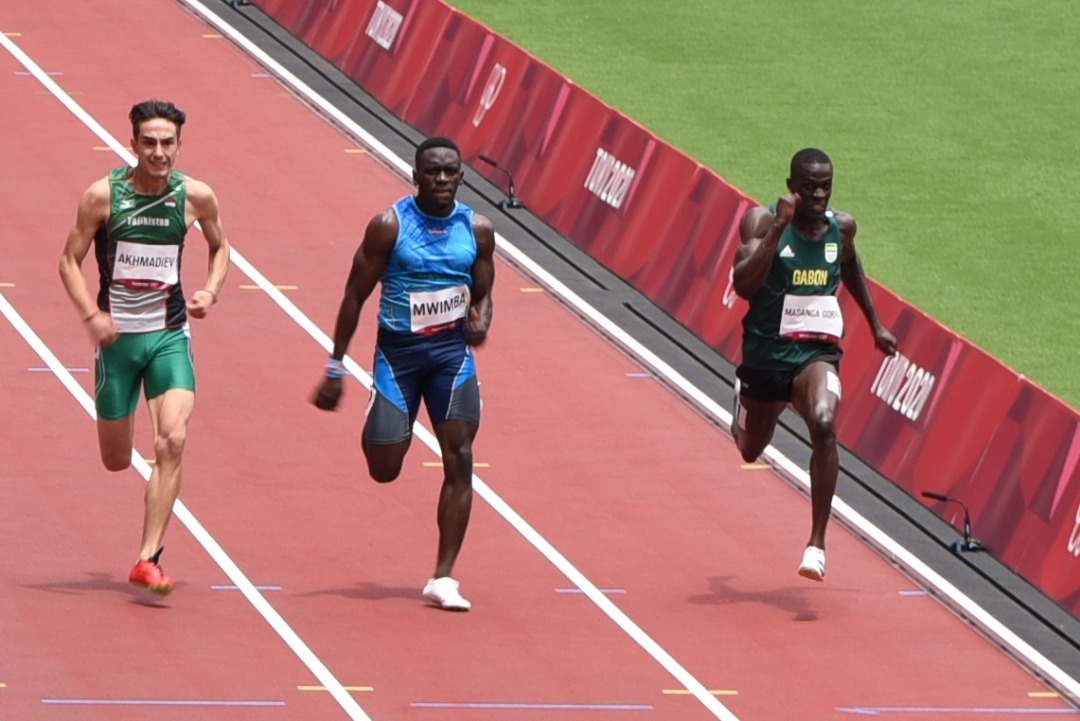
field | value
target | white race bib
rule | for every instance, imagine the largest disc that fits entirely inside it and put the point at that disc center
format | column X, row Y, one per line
column 143, row 266
column 436, row 309
column 812, row 317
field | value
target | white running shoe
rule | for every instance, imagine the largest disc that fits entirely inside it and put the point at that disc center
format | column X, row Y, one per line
column 813, row 564
column 443, row 592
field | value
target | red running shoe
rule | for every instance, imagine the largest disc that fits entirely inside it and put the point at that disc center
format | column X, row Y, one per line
column 148, row 574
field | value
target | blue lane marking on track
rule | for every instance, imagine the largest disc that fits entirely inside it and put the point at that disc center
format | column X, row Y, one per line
column 153, row 702
column 988, row 710
column 537, row 706
column 601, row 590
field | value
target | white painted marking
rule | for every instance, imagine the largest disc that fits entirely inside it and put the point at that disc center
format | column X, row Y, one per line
column 602, row 590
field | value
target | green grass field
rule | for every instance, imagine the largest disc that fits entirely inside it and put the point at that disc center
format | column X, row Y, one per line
column 954, row 130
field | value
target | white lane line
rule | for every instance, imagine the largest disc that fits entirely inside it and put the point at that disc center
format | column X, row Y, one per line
column 272, row 617
column 885, row 543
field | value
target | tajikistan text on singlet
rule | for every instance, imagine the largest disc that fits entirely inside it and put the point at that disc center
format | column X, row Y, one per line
column 138, row 254
column 425, row 285
column 795, row 316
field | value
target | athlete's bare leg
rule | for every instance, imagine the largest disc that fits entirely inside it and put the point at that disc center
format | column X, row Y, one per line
column 384, row 460
column 815, row 397
column 169, row 413
column 754, row 425
column 455, row 497
column 115, row 441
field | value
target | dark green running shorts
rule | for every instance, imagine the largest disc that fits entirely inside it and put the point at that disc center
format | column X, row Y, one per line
column 157, row 361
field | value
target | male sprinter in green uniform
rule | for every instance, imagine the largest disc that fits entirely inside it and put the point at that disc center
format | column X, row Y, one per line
column 136, row 219
column 789, row 266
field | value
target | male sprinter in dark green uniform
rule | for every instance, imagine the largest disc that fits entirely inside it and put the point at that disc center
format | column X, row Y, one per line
column 136, row 219
column 789, row 266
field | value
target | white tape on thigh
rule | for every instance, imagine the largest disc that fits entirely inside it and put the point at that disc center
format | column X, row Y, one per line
column 739, row 417
column 832, row 383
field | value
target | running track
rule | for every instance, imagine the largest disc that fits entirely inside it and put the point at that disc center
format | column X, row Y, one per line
column 636, row 570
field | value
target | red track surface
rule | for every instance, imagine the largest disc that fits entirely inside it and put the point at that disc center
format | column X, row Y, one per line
column 622, row 478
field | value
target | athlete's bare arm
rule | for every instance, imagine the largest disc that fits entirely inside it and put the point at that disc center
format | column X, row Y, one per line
column 202, row 206
column 760, row 232
column 93, row 212
column 854, row 279
column 368, row 264
column 483, row 275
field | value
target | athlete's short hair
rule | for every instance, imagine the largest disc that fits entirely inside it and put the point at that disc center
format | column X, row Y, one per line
column 153, row 108
column 808, row 156
column 436, row 142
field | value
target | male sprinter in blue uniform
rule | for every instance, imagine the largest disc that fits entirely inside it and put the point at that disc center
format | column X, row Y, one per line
column 137, row 219
column 789, row 266
column 435, row 258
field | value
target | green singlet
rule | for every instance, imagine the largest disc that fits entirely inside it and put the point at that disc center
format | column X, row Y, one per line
column 139, row 252
column 794, row 316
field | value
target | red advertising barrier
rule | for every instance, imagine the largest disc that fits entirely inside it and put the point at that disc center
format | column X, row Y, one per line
column 329, row 25
column 1050, row 564
column 1021, row 489
column 944, row 416
column 383, row 45
column 888, row 401
column 295, row 16
column 961, row 417
column 941, row 416
column 448, row 94
column 700, row 294
column 388, row 59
